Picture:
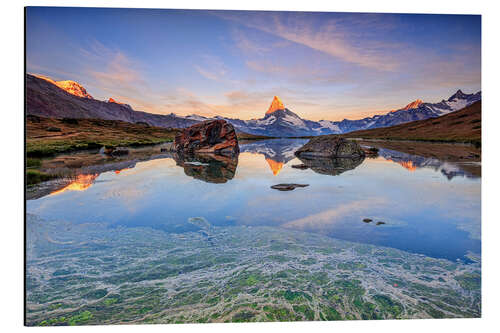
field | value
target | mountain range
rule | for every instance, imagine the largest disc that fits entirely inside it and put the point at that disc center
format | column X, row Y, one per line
column 47, row 99
column 68, row 99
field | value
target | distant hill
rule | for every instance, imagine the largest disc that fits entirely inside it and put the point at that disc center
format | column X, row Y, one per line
column 459, row 126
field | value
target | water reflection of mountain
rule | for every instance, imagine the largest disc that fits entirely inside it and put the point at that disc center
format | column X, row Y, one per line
column 78, row 172
column 277, row 152
column 210, row 168
column 81, row 178
column 447, row 168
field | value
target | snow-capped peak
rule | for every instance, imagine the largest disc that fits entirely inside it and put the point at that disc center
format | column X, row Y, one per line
column 196, row 117
column 413, row 105
column 458, row 95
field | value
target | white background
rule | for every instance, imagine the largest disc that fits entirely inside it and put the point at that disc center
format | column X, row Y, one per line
column 11, row 147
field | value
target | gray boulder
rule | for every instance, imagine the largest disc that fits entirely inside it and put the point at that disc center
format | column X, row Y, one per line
column 330, row 146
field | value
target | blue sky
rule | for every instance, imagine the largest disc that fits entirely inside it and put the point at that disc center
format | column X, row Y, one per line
column 231, row 63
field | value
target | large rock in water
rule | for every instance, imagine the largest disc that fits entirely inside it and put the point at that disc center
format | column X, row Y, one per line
column 213, row 136
column 330, row 146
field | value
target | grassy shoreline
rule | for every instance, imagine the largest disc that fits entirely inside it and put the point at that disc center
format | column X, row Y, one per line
column 48, row 137
column 476, row 143
column 58, row 147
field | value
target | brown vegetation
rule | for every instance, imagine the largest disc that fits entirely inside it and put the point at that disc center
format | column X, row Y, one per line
column 47, row 136
column 460, row 126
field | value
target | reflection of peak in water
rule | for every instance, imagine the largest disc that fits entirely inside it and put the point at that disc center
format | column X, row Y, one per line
column 413, row 162
column 278, row 150
column 121, row 170
column 408, row 165
column 80, row 183
column 274, row 165
column 71, row 174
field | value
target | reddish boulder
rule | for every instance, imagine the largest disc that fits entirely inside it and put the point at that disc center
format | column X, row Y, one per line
column 212, row 136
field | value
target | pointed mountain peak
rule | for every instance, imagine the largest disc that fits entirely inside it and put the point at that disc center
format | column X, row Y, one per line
column 458, row 95
column 72, row 87
column 413, row 105
column 112, row 100
column 276, row 104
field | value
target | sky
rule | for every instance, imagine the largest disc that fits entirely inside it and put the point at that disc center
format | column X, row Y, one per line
column 231, row 63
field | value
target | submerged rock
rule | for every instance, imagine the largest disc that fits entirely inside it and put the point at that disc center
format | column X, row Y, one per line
column 330, row 146
column 288, row 187
column 367, row 220
column 114, row 151
column 213, row 136
column 380, row 222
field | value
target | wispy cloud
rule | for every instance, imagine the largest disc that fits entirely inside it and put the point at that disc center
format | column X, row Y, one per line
column 247, row 45
column 114, row 71
column 323, row 65
column 212, row 67
column 331, row 37
column 183, row 101
column 119, row 74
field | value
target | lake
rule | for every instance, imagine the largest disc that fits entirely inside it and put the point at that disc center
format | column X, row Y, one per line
column 393, row 234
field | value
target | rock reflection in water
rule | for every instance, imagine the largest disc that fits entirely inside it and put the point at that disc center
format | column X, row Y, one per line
column 331, row 166
column 210, row 168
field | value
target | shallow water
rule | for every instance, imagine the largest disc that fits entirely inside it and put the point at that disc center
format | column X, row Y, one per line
column 153, row 238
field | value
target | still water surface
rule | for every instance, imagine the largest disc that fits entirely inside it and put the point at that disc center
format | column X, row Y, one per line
column 428, row 206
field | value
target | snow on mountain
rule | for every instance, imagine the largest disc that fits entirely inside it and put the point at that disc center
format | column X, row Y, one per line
column 278, row 121
column 327, row 126
column 69, row 86
column 196, row 117
column 265, row 121
column 295, row 121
